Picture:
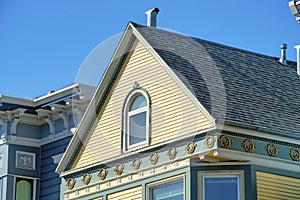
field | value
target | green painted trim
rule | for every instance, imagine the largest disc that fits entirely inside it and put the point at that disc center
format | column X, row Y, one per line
column 260, row 145
column 142, row 182
column 267, row 140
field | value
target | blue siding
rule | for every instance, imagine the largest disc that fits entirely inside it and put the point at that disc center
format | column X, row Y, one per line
column 49, row 180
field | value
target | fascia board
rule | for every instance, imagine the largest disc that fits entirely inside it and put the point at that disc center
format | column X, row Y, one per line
column 90, row 111
column 256, row 133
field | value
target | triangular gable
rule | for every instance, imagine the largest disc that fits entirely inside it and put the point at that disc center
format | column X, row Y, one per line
column 171, row 102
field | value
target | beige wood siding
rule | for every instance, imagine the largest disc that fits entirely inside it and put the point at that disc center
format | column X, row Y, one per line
column 172, row 112
column 130, row 194
column 272, row 186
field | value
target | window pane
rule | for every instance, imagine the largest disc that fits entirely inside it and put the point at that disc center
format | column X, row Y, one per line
column 138, row 102
column 221, row 188
column 137, row 128
column 170, row 191
column 24, row 190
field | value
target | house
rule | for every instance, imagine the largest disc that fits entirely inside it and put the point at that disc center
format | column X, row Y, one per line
column 177, row 117
column 34, row 135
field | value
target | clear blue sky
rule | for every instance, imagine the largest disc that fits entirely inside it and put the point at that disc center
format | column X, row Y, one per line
column 44, row 43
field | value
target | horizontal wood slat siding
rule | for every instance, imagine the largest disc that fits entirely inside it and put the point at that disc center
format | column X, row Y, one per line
column 130, row 194
column 172, row 112
column 272, row 186
column 50, row 180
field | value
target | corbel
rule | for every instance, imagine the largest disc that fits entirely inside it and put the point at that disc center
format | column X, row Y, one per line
column 63, row 116
column 3, row 123
column 51, row 125
column 78, row 113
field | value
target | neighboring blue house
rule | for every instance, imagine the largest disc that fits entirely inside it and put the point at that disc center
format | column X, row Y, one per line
column 34, row 135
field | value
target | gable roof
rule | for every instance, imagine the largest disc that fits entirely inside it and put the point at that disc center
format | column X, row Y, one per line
column 245, row 88
column 235, row 86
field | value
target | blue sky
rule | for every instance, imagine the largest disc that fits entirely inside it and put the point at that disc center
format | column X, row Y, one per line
column 43, row 44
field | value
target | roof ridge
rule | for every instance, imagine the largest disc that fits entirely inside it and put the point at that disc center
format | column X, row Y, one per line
column 211, row 42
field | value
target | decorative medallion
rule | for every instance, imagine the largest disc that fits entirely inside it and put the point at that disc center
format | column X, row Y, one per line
column 172, row 153
column 86, row 178
column 248, row 145
column 154, row 158
column 102, row 173
column 295, row 154
column 136, row 163
column 190, row 147
column 25, row 160
column 272, row 150
column 225, row 141
column 209, row 141
column 119, row 169
column 70, row 183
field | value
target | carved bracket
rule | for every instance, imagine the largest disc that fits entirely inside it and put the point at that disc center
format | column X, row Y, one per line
column 63, row 116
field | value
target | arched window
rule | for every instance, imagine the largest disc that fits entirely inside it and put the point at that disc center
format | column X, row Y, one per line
column 136, row 119
column 23, row 189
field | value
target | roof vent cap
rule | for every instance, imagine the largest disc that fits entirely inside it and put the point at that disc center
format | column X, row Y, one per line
column 282, row 59
column 151, row 17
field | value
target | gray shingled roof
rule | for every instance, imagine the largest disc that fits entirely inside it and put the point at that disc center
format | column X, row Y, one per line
column 236, row 86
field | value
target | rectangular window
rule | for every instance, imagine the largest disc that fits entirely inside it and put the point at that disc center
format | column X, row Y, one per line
column 137, row 127
column 227, row 184
column 170, row 189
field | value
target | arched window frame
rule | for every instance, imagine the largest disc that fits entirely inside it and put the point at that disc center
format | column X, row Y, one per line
column 126, row 115
column 32, row 182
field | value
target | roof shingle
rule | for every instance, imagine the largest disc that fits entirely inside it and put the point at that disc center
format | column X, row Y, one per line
column 236, row 86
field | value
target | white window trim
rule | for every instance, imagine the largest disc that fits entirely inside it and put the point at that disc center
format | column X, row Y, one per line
column 33, row 186
column 166, row 181
column 127, row 114
column 221, row 174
